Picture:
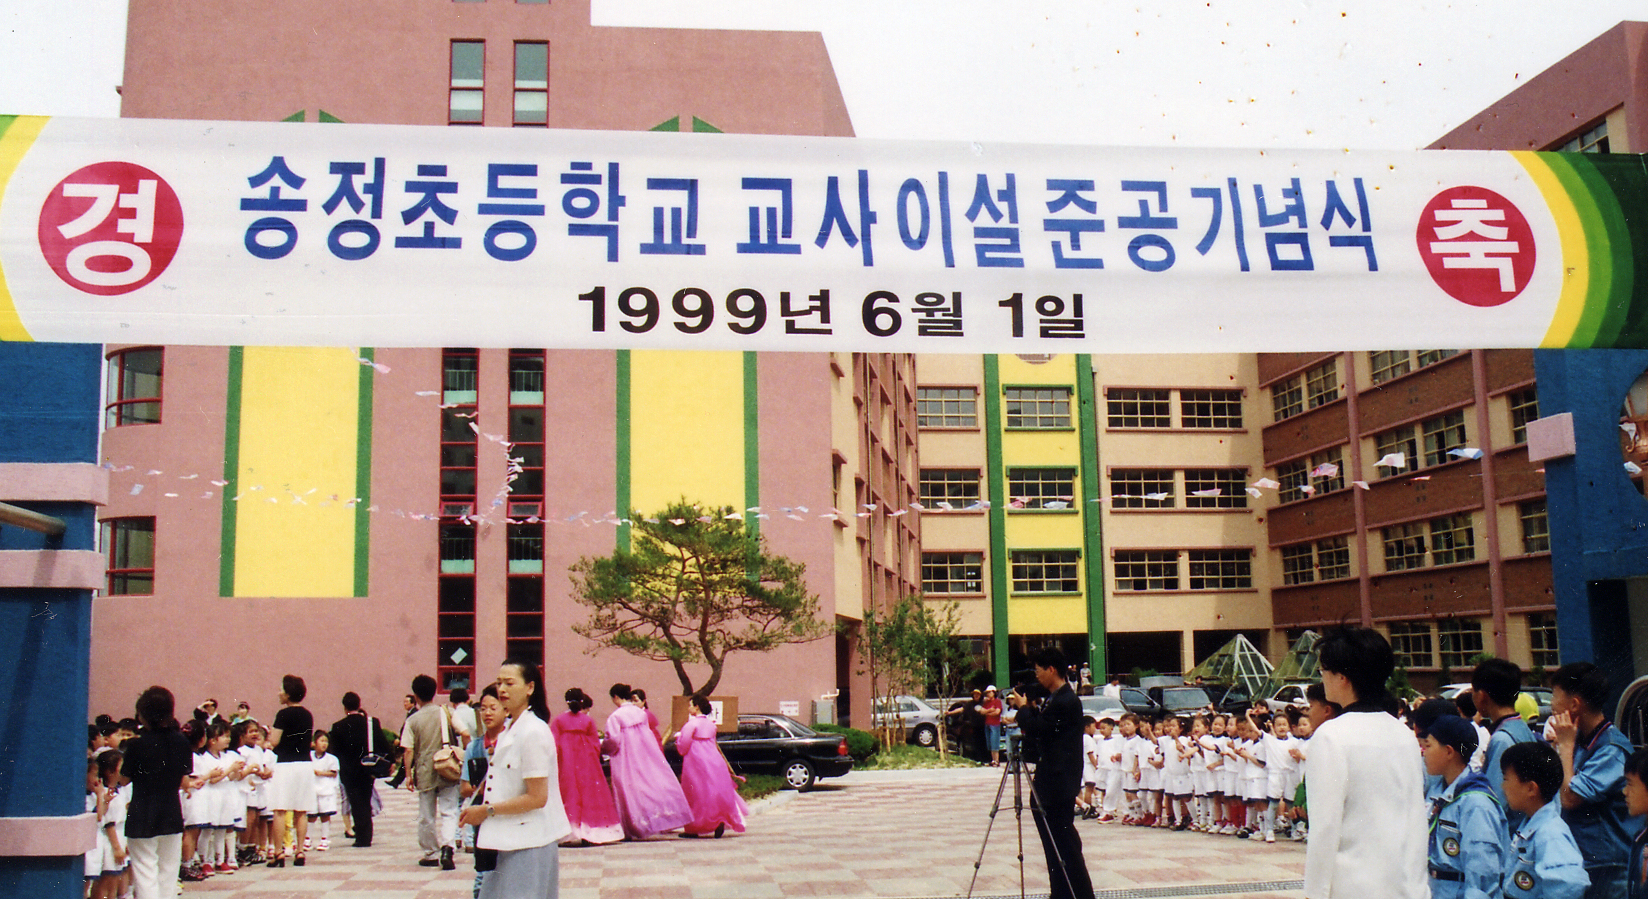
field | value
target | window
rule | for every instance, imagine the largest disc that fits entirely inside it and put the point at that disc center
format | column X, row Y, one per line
column 1046, row 571
column 1542, row 641
column 458, row 455
column 526, row 377
column 1044, row 408
column 128, row 547
column 1400, row 440
column 1294, row 477
column 455, row 628
column 1452, row 539
column 1298, row 564
column 1524, row 408
column 952, row 573
column 465, row 105
column 524, row 544
column 1459, row 640
column 1041, row 488
column 1332, row 558
column 1442, row 434
column 1431, row 357
column 457, row 548
column 524, row 619
column 1384, row 365
column 1141, row 488
column 133, row 388
column 1215, row 488
column 1322, row 384
column 459, row 375
column 1287, row 398
column 1592, row 140
column 1129, row 407
column 949, row 489
column 946, row 407
column 531, row 83
column 1327, row 470
column 1411, row 643
column 1148, row 569
column 1404, row 547
column 526, row 432
column 1536, row 527
column 1210, row 409
column 1221, row 569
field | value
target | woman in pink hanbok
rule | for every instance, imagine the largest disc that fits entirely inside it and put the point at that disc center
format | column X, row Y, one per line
column 649, row 797
column 584, row 789
column 706, row 778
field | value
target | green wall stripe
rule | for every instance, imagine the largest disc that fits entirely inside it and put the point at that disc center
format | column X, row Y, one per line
column 621, row 471
column 752, row 442
column 1092, row 514
column 998, row 519
column 363, row 474
column 231, row 472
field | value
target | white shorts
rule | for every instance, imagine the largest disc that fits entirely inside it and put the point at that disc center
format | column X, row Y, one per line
column 1255, row 789
column 1282, row 785
column 1177, row 784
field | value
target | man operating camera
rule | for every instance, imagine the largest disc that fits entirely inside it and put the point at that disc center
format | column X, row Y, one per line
column 1053, row 730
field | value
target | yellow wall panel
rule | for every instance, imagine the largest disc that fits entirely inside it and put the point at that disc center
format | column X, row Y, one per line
column 687, row 428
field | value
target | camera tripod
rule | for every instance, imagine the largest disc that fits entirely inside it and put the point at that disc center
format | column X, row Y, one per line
column 1013, row 768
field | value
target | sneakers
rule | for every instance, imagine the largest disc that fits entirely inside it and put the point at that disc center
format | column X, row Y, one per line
column 1298, row 834
column 1270, row 838
column 325, row 844
column 1259, row 837
column 1243, row 833
column 308, row 844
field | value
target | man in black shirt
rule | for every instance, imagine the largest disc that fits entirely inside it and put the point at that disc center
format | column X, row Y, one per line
column 1055, row 731
column 351, row 736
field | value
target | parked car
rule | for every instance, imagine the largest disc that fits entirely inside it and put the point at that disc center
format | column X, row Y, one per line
column 1541, row 695
column 1139, row 702
column 1232, row 699
column 1180, row 700
column 778, row 744
column 919, row 716
column 1287, row 695
column 1101, row 706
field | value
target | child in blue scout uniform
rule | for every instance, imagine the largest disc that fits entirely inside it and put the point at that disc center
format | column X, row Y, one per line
column 1467, row 823
column 1593, row 755
column 1495, row 684
column 1544, row 862
column 1636, row 804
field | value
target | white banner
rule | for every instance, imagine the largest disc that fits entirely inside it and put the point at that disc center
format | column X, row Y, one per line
column 361, row 235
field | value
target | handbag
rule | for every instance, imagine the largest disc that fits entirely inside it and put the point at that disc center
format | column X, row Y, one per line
column 448, row 760
column 375, row 763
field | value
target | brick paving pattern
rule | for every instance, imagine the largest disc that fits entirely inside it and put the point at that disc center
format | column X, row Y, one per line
column 870, row 834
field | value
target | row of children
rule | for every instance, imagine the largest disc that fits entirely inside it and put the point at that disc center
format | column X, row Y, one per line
column 1210, row 773
column 227, row 821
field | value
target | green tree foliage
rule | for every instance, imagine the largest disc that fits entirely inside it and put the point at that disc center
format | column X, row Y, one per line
column 907, row 644
column 694, row 588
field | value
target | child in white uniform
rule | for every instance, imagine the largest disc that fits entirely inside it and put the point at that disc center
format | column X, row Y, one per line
column 1281, row 773
column 327, row 792
column 1150, row 775
column 1175, row 772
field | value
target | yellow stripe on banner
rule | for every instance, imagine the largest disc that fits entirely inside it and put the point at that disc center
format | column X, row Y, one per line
column 1576, row 260
column 299, row 426
column 686, row 429
column 15, row 141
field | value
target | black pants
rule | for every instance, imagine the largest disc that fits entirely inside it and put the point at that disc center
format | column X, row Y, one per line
column 359, row 791
column 1054, row 811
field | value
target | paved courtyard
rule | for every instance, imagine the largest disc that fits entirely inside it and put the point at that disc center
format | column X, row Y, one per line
column 870, row 834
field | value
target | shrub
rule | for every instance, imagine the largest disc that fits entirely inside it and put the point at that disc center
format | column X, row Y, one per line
column 757, row 786
column 860, row 744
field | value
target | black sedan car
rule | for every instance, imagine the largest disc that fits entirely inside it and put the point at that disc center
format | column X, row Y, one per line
column 779, row 744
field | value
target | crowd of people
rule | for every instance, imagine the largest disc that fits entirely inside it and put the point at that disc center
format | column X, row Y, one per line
column 503, row 778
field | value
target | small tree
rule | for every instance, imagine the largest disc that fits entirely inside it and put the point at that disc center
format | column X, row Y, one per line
column 695, row 587
column 904, row 646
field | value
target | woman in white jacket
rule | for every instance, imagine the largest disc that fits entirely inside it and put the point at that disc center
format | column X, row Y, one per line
column 522, row 816
column 1367, row 804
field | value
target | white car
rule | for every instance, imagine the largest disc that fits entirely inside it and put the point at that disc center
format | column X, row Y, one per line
column 920, row 718
column 1285, row 696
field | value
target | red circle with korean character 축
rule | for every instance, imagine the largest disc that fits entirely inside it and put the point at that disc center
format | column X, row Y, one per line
column 1477, row 246
column 110, row 228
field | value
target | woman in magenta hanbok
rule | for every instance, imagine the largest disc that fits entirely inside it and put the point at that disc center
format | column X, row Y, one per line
column 706, row 778
column 649, row 797
column 584, row 790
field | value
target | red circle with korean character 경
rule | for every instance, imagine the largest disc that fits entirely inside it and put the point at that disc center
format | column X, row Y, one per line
column 110, row 228
column 1477, row 246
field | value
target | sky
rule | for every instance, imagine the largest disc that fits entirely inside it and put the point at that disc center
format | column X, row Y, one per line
column 1358, row 74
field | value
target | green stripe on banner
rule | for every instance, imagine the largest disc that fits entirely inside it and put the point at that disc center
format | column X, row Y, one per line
column 1627, row 184
column 1616, row 249
column 752, row 443
column 5, row 122
column 231, row 472
column 998, row 519
column 363, row 474
column 1596, row 237
column 621, row 468
column 1092, row 516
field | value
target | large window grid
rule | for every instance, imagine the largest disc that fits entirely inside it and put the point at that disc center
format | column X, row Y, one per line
column 1431, row 357
column 1397, row 440
column 946, row 407
column 1140, row 570
column 1046, row 571
column 1443, row 434
column 1322, row 384
column 952, row 573
column 128, row 547
column 466, row 94
column 1041, row 488
column 1459, row 641
column 1231, row 484
column 460, row 375
column 455, row 632
column 1220, row 569
column 526, row 377
column 1142, row 488
column 134, row 380
column 1404, row 547
column 1452, row 539
column 1287, row 398
column 1323, row 472
column 1591, row 140
column 1524, row 406
column 1298, row 564
column 1038, row 408
column 524, row 547
column 458, row 457
column 526, row 432
column 1385, row 365
column 1542, row 641
column 1536, row 526
column 1411, row 643
column 1210, row 409
column 531, row 83
column 1132, row 407
column 1324, row 560
column 457, row 548
column 524, row 619
column 945, row 489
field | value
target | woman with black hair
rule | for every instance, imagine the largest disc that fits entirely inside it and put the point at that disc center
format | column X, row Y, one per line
column 521, row 816
column 649, row 797
column 292, row 789
column 706, row 778
column 157, row 762
column 1367, row 807
column 584, row 789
